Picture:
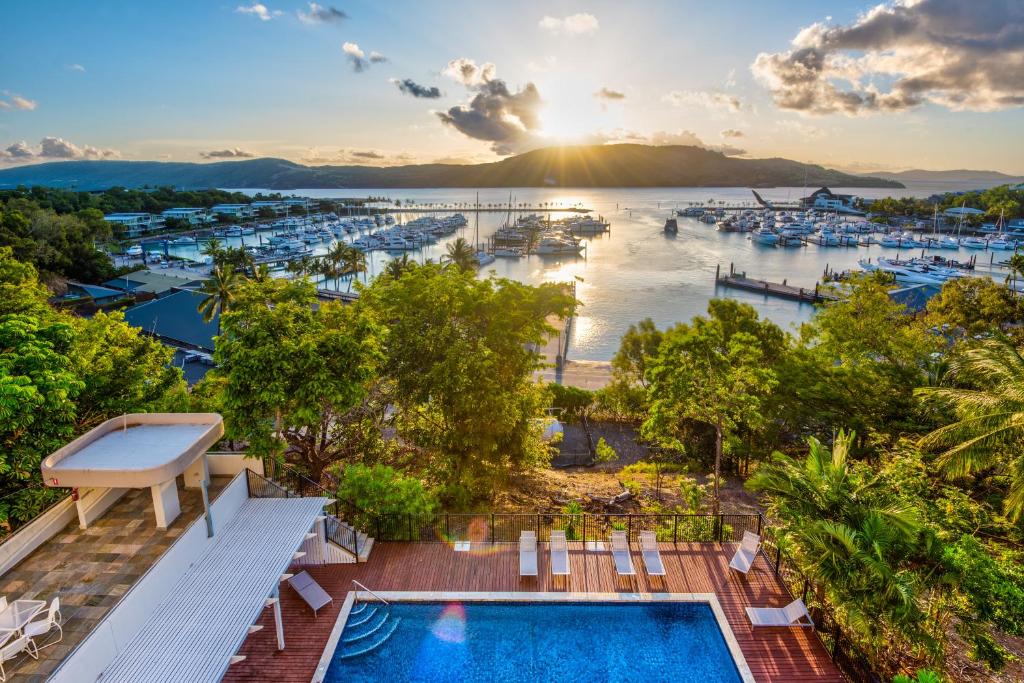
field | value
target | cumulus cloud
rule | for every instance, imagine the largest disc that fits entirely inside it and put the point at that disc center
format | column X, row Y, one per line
column 259, row 10
column 690, row 139
column 230, row 153
column 321, row 14
column 572, row 25
column 732, row 133
column 52, row 147
column 704, row 98
column 358, row 59
column 467, row 72
column 609, row 94
column 896, row 56
column 508, row 119
column 15, row 101
column 411, row 87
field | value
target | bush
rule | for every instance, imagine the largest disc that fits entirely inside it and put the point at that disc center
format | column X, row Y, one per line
column 570, row 400
column 604, row 452
column 382, row 490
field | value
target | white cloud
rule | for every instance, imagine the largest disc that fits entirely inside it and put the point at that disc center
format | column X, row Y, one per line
column 572, row 25
column 76, row 67
column 53, row 147
column 705, row 99
column 901, row 55
column 321, row 14
column 15, row 101
column 259, row 10
column 467, row 72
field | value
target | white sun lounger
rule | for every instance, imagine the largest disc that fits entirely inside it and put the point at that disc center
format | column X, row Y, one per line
column 559, row 553
column 621, row 554
column 310, row 591
column 746, row 553
column 792, row 614
column 527, row 554
column 651, row 554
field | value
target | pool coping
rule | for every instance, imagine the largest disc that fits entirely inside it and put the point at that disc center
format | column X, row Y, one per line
column 525, row 596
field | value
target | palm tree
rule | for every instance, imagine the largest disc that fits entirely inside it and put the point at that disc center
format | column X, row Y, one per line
column 353, row 262
column 220, row 291
column 336, row 256
column 461, row 255
column 262, row 273
column 398, row 267
column 989, row 429
column 215, row 251
column 848, row 545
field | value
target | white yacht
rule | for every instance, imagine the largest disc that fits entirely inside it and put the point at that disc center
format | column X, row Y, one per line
column 558, row 245
column 764, row 236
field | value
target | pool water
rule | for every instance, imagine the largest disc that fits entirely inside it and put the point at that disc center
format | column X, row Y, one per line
column 592, row 642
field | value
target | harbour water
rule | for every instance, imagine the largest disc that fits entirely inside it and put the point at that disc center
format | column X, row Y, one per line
column 637, row 271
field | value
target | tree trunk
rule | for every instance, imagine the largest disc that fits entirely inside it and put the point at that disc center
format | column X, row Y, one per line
column 718, row 461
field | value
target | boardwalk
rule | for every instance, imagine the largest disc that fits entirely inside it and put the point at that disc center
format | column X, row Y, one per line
column 773, row 654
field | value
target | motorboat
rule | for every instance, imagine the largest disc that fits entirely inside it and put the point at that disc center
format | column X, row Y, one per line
column 558, row 245
column 484, row 259
column 973, row 243
column 134, row 250
column 509, row 252
column 764, row 236
column 671, row 227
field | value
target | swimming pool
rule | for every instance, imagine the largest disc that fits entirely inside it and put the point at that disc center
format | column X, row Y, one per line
column 468, row 641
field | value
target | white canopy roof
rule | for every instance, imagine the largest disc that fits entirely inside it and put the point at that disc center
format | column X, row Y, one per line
column 191, row 636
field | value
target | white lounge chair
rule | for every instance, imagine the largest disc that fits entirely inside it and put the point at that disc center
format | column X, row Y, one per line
column 792, row 614
column 621, row 555
column 310, row 591
column 559, row 553
column 651, row 554
column 40, row 627
column 527, row 554
column 745, row 555
column 15, row 647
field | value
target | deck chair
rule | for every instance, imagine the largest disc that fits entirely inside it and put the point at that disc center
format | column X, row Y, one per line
column 621, row 555
column 12, row 648
column 559, row 553
column 745, row 555
column 527, row 554
column 792, row 614
column 651, row 554
column 310, row 591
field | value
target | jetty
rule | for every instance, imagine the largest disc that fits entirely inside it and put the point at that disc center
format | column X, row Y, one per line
column 783, row 289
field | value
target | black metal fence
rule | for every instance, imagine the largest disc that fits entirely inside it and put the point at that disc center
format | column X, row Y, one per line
column 495, row 527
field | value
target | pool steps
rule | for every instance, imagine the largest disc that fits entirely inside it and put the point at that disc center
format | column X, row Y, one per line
column 380, row 640
column 369, row 631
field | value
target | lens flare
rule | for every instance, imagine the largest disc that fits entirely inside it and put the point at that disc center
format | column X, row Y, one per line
column 451, row 625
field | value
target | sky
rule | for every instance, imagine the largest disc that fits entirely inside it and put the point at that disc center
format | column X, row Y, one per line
column 934, row 84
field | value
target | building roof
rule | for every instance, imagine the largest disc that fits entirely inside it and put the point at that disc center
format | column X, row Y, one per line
column 115, row 216
column 228, row 206
column 185, row 208
column 175, row 318
column 194, row 632
column 151, row 281
column 915, row 297
column 962, row 210
column 96, row 291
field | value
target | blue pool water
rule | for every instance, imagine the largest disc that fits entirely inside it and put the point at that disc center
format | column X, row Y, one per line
column 510, row 642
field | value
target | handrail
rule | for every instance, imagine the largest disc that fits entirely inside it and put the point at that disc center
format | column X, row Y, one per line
column 356, row 583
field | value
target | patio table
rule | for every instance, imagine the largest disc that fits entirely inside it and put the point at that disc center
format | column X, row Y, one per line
column 19, row 613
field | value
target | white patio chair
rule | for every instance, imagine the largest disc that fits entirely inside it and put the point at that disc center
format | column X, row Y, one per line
column 310, row 591
column 14, row 648
column 527, row 554
column 745, row 555
column 559, row 553
column 651, row 554
column 792, row 614
column 621, row 555
column 39, row 627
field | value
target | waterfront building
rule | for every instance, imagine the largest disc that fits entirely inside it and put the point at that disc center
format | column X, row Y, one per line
column 133, row 225
column 962, row 212
column 278, row 207
column 239, row 211
column 192, row 215
column 827, row 200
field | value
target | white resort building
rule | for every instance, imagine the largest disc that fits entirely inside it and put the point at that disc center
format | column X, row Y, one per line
column 133, row 225
column 193, row 215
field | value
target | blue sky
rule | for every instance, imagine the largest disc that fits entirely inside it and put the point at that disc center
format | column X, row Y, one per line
column 182, row 80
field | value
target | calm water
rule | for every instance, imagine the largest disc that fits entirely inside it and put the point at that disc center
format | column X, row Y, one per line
column 636, row 271
column 511, row 643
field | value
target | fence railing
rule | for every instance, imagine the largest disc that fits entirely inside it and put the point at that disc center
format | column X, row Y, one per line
column 335, row 529
column 506, row 527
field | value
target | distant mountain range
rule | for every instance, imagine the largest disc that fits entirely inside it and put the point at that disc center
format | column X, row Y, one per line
column 578, row 166
column 964, row 178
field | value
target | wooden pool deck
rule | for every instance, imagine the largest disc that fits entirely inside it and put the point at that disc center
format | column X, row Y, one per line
column 773, row 654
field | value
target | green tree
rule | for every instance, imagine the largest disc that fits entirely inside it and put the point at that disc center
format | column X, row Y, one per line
column 989, row 409
column 381, row 490
column 460, row 354
column 638, row 346
column 975, row 305
column 712, row 374
column 397, row 267
column 461, row 255
column 604, row 452
column 299, row 375
column 353, row 263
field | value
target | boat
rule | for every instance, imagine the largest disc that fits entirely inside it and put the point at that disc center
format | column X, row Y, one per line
column 973, row 243
column 588, row 226
column 764, row 236
column 484, row 259
column 671, row 227
column 182, row 240
column 509, row 252
column 558, row 246
column 134, row 250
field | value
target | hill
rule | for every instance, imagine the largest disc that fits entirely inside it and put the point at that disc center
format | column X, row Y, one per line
column 580, row 166
column 964, row 178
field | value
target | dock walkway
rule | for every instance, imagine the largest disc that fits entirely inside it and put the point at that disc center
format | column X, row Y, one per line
column 779, row 289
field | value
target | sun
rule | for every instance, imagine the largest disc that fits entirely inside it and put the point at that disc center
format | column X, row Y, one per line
column 568, row 120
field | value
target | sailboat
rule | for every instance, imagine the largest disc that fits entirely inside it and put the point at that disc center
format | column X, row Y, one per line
column 482, row 257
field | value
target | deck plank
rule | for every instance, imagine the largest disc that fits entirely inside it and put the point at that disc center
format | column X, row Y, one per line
column 773, row 654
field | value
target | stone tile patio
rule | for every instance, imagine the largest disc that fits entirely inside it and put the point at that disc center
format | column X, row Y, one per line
column 91, row 569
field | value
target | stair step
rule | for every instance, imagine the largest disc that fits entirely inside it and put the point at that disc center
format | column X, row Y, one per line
column 377, row 643
column 352, row 623
column 359, row 609
column 367, row 633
